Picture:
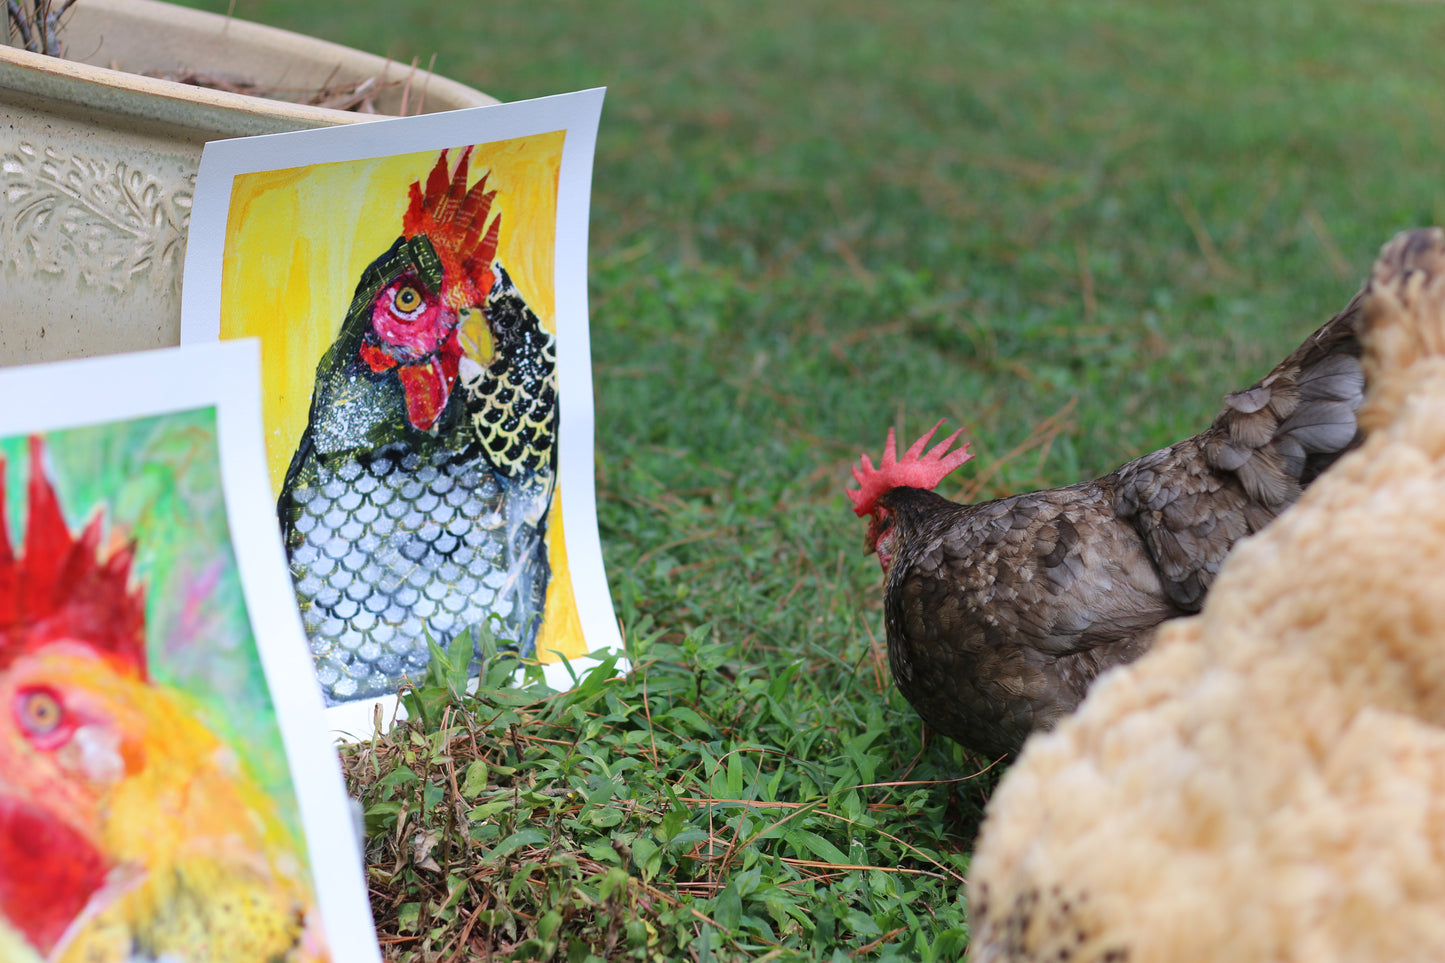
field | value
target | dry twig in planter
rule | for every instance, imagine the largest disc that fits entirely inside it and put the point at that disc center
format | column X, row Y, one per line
column 39, row 27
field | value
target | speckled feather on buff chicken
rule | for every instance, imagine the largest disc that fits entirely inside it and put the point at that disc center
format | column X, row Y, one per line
column 1268, row 783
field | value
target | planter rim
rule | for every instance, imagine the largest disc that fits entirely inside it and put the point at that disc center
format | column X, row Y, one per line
column 98, row 163
column 186, row 105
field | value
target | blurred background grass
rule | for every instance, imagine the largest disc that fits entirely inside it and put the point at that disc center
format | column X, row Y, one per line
column 815, row 219
column 1069, row 227
column 810, row 218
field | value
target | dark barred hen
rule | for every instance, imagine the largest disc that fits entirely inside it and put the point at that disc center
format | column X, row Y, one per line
column 1000, row 615
column 416, row 503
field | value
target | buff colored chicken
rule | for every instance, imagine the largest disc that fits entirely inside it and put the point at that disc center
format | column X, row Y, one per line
column 178, row 855
column 1268, row 782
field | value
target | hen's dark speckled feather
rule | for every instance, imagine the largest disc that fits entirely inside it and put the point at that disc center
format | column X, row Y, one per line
column 1000, row 615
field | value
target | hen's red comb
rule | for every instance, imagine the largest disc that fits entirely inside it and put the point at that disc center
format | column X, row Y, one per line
column 915, row 470
column 60, row 588
column 453, row 218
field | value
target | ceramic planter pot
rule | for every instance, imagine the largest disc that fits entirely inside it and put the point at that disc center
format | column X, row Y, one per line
column 98, row 162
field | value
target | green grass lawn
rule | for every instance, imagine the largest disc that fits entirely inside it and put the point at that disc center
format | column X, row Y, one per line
column 1069, row 227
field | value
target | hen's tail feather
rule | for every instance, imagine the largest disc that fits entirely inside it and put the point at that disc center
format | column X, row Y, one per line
column 1192, row 501
column 1404, row 326
column 1278, row 435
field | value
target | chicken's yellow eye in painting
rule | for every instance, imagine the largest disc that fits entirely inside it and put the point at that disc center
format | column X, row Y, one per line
column 407, row 300
column 40, row 712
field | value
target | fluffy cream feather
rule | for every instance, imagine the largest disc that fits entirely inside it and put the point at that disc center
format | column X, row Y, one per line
column 1268, row 783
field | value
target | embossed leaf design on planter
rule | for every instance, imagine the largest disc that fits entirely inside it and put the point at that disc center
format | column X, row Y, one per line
column 100, row 220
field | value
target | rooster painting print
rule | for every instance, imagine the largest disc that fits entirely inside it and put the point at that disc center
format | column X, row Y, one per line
column 416, row 503
column 419, row 290
column 146, row 808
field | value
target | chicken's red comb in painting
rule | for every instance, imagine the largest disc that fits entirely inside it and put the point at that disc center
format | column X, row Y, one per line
column 453, row 218
column 916, row 469
column 61, row 589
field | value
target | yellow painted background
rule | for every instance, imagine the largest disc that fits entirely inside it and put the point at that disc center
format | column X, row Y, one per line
column 296, row 243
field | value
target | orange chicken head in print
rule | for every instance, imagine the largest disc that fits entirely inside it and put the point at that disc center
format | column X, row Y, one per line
column 129, row 830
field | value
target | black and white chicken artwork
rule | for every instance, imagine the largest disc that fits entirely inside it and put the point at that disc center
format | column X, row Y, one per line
column 416, row 502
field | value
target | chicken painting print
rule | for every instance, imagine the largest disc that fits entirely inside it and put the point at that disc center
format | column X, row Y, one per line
column 417, row 500
column 147, row 811
column 419, row 291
